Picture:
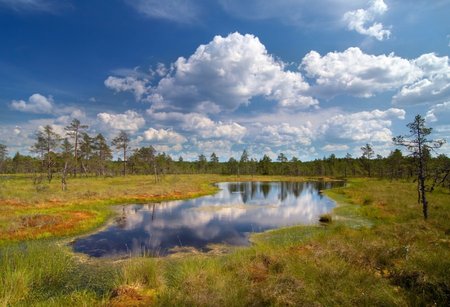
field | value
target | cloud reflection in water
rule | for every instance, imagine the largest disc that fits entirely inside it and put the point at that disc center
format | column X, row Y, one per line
column 226, row 217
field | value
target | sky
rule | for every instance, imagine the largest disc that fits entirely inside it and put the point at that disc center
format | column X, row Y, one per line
column 191, row 77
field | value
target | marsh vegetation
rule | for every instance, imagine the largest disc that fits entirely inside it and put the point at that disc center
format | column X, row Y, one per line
column 373, row 252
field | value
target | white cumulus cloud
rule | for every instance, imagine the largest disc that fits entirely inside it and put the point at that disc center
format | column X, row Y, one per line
column 129, row 121
column 439, row 112
column 356, row 73
column 366, row 126
column 228, row 72
column 434, row 86
column 130, row 83
column 202, row 125
column 285, row 134
column 361, row 20
column 221, row 76
column 163, row 135
column 37, row 103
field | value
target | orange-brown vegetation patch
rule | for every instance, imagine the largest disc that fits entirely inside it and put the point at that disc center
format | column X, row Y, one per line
column 11, row 203
column 37, row 225
column 129, row 296
column 159, row 197
column 262, row 266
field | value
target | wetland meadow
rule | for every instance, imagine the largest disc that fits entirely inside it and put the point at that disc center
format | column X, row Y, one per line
column 375, row 249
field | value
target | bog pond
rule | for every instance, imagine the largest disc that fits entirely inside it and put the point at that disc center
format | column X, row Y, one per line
column 228, row 217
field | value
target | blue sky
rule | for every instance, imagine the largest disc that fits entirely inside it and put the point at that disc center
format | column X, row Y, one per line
column 196, row 76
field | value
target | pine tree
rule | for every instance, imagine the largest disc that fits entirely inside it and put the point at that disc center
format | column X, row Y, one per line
column 420, row 146
column 367, row 155
column 102, row 152
column 74, row 130
column 3, row 155
column 47, row 140
column 121, row 142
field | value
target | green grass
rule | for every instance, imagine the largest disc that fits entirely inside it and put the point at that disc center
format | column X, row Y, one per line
column 377, row 251
column 28, row 214
column 45, row 273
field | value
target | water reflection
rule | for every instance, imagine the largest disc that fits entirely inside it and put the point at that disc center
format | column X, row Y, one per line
column 227, row 217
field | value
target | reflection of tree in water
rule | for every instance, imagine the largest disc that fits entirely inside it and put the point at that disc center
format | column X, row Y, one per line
column 247, row 193
column 121, row 220
column 282, row 195
column 265, row 188
column 297, row 188
column 322, row 185
column 254, row 189
column 236, row 187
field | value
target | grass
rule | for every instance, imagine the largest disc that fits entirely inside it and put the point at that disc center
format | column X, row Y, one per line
column 28, row 214
column 377, row 251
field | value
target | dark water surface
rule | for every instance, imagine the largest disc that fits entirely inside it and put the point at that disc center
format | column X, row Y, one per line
column 229, row 216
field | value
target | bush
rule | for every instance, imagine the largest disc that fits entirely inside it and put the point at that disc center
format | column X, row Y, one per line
column 325, row 218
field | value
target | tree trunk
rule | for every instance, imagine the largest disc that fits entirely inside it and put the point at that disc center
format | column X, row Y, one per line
column 76, row 155
column 124, row 162
column 422, row 176
column 63, row 177
column 422, row 189
column 156, row 174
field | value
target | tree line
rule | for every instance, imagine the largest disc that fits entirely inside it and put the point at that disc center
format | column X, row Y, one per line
column 79, row 154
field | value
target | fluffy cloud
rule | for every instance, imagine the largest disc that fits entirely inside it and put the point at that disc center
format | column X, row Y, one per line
column 356, row 73
column 122, row 84
column 163, row 135
column 221, row 76
column 129, row 121
column 358, row 20
column 229, row 72
column 434, row 86
column 167, row 148
column 439, row 112
column 225, row 130
column 40, row 104
column 35, row 104
column 202, row 125
column 181, row 11
column 373, row 126
column 284, row 134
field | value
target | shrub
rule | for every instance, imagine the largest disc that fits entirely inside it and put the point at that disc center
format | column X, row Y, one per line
column 325, row 218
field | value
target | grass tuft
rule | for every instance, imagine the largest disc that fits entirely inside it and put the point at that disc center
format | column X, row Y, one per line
column 367, row 200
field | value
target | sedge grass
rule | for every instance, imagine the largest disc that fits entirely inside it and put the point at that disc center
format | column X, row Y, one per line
column 376, row 253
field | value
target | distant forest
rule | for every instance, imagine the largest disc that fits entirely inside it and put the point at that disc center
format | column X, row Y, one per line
column 80, row 154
